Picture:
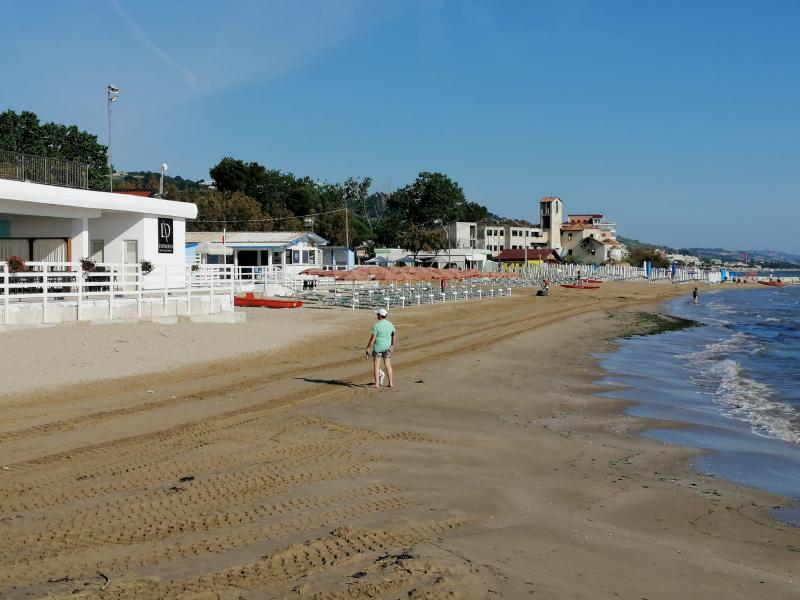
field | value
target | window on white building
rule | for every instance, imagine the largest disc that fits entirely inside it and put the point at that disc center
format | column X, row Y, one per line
column 98, row 255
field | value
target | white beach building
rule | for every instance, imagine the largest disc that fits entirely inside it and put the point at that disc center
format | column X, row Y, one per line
column 60, row 224
column 289, row 251
column 135, row 248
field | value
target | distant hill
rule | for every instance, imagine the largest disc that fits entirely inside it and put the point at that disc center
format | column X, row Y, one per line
column 771, row 258
column 632, row 245
column 149, row 180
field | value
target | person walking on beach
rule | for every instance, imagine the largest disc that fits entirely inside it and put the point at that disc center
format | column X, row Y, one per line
column 695, row 296
column 382, row 340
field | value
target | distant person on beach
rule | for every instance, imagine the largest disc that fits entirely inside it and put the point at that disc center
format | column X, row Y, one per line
column 695, row 296
column 382, row 341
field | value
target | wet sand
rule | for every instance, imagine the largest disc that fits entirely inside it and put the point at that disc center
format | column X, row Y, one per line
column 490, row 471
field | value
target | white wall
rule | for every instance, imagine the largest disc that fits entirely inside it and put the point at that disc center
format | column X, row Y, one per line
column 39, row 227
column 178, row 255
column 114, row 229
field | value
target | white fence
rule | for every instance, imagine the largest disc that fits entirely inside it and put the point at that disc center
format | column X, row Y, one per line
column 274, row 278
column 561, row 272
column 61, row 282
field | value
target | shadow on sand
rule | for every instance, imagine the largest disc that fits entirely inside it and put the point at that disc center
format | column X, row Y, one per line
column 349, row 384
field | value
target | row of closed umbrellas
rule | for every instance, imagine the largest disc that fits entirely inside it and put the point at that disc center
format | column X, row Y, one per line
column 406, row 274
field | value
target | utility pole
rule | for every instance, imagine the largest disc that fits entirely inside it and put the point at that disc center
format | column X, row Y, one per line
column 347, row 234
column 347, row 227
column 447, row 235
column 526, row 254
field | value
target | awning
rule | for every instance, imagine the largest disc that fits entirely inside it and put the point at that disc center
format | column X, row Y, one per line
column 212, row 249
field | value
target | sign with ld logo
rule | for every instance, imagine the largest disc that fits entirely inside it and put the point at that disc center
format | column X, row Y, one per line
column 166, row 237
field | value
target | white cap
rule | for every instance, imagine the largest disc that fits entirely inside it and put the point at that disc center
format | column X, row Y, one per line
column 382, row 312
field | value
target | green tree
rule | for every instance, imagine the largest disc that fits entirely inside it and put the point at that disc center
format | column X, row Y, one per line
column 356, row 197
column 24, row 133
column 232, row 210
column 271, row 188
column 640, row 254
column 338, row 226
column 474, row 212
column 418, row 239
column 432, row 197
column 303, row 199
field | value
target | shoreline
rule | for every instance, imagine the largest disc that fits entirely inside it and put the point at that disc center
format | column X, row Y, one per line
column 727, row 447
column 493, row 468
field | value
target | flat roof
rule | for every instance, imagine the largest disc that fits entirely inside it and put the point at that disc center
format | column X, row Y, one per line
column 25, row 192
column 254, row 238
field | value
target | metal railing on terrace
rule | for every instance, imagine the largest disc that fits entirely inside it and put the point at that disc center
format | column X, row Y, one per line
column 40, row 169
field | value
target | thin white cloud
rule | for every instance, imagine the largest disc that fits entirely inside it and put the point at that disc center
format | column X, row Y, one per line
column 144, row 40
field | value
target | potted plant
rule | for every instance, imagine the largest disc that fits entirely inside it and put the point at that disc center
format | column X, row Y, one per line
column 147, row 267
column 15, row 264
column 88, row 264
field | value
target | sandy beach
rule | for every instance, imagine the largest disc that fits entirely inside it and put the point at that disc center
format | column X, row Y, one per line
column 252, row 461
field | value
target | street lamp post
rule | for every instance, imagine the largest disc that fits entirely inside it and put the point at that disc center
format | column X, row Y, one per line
column 446, row 235
column 526, row 254
column 164, row 168
column 113, row 93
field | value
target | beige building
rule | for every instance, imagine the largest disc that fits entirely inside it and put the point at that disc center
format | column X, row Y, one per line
column 587, row 237
column 587, row 243
column 551, row 215
column 608, row 228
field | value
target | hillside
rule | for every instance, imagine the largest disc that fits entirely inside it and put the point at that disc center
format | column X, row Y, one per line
column 149, row 180
column 771, row 258
column 632, row 245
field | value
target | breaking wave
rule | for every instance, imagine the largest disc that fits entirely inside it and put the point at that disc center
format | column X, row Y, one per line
column 742, row 397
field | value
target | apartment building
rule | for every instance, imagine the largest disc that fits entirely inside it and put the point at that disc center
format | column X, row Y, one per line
column 497, row 238
column 463, row 235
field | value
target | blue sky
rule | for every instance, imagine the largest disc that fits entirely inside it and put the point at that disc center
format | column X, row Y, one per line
column 679, row 120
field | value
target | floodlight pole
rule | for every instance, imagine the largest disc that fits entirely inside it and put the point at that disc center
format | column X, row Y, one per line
column 112, row 94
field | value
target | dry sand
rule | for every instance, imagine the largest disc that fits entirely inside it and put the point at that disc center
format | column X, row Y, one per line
column 71, row 353
column 490, row 471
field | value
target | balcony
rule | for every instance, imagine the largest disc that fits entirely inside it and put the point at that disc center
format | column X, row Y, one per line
column 39, row 169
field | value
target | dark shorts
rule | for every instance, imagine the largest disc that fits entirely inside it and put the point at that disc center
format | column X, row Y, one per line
column 384, row 354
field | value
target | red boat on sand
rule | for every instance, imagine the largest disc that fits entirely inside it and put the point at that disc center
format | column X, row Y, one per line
column 250, row 300
column 578, row 286
column 772, row 283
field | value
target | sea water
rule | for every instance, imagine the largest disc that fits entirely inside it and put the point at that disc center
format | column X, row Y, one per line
column 735, row 380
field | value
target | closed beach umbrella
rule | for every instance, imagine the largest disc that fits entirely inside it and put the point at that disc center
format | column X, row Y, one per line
column 354, row 275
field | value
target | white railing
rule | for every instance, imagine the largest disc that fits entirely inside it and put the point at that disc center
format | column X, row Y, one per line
column 254, row 277
column 562, row 272
column 51, row 282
